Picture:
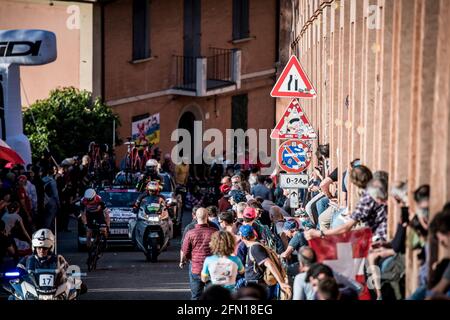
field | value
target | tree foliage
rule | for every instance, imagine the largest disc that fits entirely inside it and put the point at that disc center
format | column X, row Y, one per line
column 67, row 121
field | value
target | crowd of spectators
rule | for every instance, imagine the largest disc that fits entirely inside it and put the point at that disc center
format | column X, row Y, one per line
column 252, row 244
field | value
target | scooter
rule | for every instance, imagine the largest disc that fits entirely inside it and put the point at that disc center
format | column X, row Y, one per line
column 42, row 284
column 152, row 229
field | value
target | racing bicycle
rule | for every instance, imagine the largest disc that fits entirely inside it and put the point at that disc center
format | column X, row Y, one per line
column 97, row 246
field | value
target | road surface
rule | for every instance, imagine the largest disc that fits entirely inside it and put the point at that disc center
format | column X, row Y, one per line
column 123, row 273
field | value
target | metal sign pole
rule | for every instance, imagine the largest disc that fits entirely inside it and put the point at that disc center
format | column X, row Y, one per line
column 56, row 236
column 114, row 135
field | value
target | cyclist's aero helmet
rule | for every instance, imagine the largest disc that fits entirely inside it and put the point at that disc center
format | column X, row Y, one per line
column 90, row 194
column 153, row 186
column 43, row 238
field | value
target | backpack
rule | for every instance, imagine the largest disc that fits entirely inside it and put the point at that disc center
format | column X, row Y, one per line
column 392, row 272
column 269, row 278
column 266, row 236
column 279, row 246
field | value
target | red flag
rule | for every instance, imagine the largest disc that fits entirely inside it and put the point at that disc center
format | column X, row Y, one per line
column 8, row 154
column 346, row 254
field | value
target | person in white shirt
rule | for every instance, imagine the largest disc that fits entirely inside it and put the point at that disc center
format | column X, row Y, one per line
column 12, row 219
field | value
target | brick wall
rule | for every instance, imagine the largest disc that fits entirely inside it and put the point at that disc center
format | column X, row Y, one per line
column 124, row 79
column 388, row 58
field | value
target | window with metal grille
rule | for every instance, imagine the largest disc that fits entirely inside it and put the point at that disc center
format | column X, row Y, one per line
column 241, row 19
column 141, row 29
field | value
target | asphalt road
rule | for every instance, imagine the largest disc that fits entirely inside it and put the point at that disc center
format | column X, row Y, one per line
column 123, row 273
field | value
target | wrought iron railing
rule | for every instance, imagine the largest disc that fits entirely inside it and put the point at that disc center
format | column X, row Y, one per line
column 219, row 64
column 218, row 68
column 185, row 72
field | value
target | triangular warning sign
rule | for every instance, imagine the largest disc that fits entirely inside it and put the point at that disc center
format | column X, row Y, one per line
column 293, row 82
column 294, row 124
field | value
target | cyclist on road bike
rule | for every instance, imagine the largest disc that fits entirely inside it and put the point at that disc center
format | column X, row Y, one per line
column 151, row 174
column 94, row 210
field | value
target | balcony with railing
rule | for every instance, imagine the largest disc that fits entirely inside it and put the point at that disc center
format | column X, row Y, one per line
column 217, row 73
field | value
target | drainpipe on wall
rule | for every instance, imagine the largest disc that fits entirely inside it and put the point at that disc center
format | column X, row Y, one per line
column 102, row 31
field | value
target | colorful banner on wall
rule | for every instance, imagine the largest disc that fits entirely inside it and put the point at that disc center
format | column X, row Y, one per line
column 146, row 131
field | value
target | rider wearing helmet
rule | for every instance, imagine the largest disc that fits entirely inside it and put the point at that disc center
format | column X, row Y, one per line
column 151, row 194
column 43, row 257
column 93, row 209
column 151, row 174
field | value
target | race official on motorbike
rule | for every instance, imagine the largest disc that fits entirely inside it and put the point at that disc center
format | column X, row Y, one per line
column 151, row 174
column 43, row 242
column 94, row 209
column 43, row 257
column 151, row 196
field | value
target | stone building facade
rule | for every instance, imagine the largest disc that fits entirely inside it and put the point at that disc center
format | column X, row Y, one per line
column 381, row 70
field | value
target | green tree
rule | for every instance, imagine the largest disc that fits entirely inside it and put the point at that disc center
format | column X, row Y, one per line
column 67, row 121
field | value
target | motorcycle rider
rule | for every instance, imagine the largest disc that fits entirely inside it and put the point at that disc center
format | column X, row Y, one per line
column 43, row 257
column 152, row 196
column 93, row 208
column 151, row 174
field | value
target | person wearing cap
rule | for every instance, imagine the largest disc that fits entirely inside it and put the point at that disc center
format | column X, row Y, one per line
column 263, row 216
column 257, row 261
column 226, row 181
column 295, row 236
column 224, row 204
column 240, row 207
column 236, row 196
column 241, row 249
column 250, row 216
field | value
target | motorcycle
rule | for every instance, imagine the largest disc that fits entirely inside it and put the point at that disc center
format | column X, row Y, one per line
column 42, row 284
column 152, row 229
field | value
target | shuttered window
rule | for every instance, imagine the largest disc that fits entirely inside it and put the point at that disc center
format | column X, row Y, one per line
column 241, row 19
column 141, row 29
